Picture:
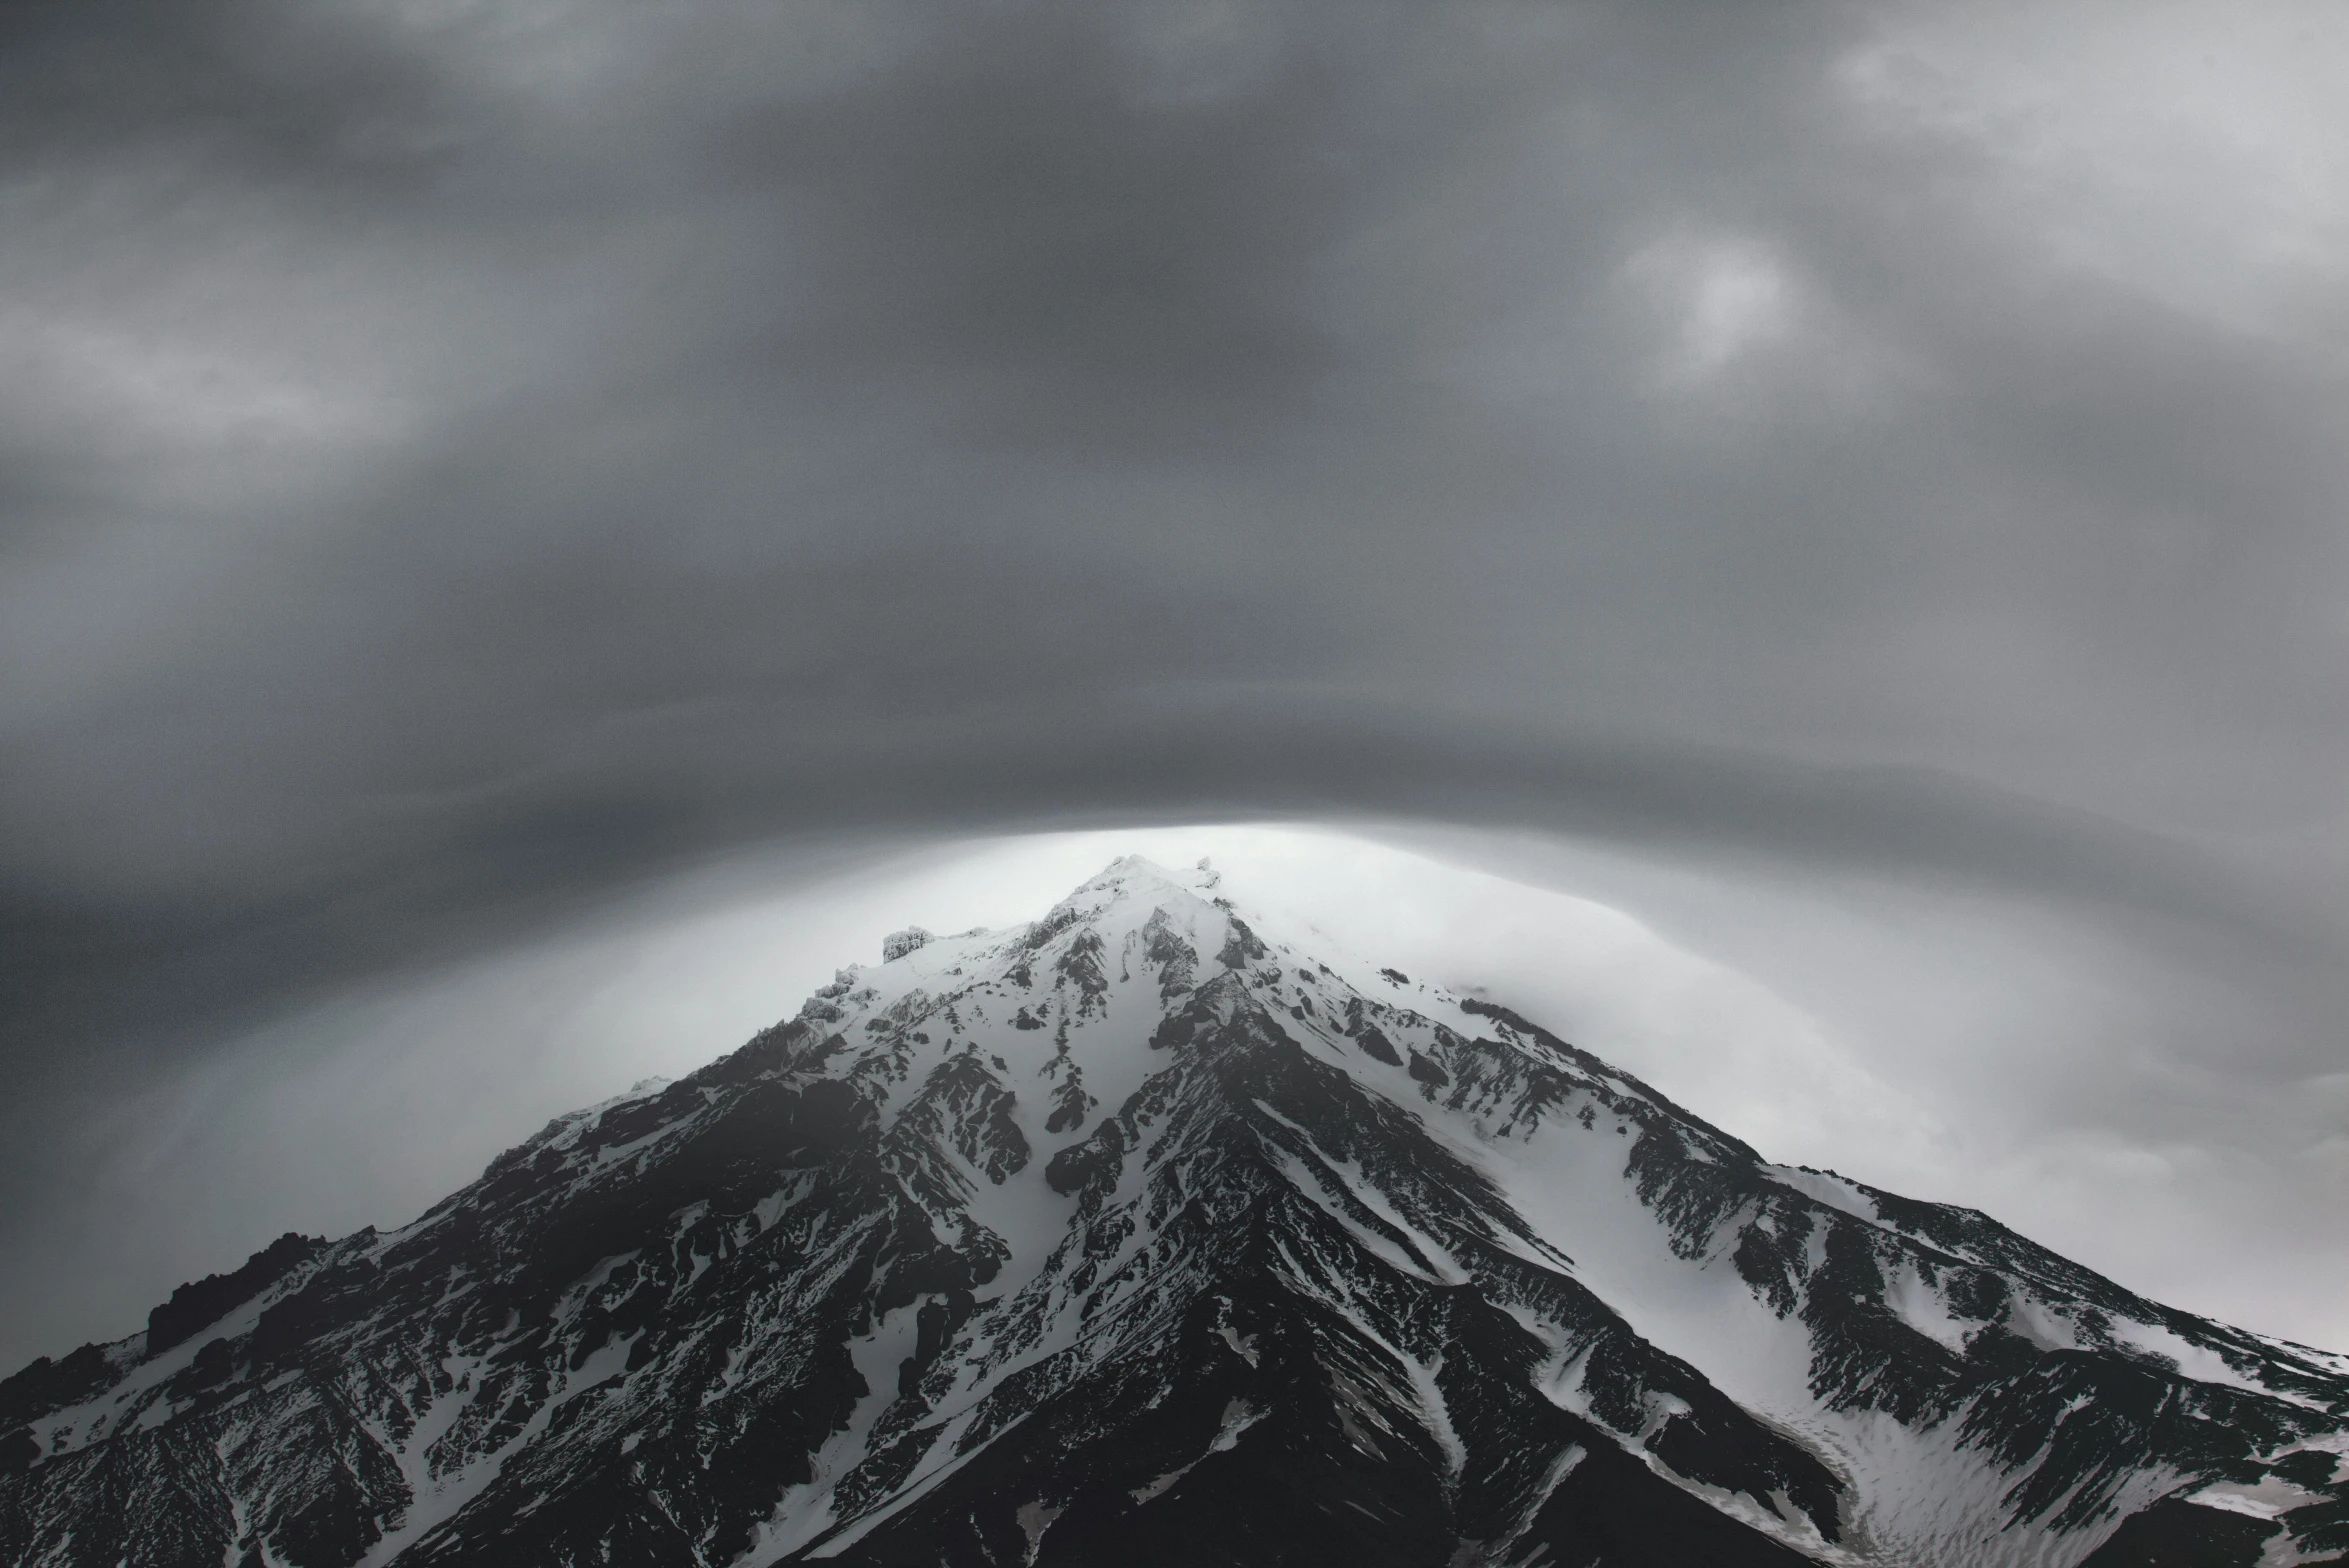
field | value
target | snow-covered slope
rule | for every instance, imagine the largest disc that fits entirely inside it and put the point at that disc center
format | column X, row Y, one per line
column 1131, row 1237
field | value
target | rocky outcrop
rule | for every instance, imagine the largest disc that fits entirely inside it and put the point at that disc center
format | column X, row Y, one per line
column 897, row 944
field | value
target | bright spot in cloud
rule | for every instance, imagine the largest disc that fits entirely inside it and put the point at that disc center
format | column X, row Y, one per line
column 1721, row 297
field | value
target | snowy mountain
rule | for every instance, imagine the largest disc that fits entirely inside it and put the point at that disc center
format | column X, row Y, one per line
column 1131, row 1237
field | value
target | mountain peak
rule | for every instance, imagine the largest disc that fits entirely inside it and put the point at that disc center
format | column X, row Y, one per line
column 1136, row 880
column 1129, row 1236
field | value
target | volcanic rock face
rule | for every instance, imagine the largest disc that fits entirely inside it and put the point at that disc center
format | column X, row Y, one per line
column 1131, row 1238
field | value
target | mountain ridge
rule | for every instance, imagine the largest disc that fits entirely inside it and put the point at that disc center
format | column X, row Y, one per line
column 1130, row 1235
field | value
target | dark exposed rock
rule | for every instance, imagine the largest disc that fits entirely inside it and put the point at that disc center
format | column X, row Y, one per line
column 2174, row 1533
column 48, row 1385
column 899, row 943
column 203, row 1303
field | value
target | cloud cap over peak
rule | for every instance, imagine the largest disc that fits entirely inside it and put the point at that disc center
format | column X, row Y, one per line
column 459, row 458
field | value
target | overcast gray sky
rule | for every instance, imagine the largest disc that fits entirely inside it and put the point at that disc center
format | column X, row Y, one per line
column 464, row 460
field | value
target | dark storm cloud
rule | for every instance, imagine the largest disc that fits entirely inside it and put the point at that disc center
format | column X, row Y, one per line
column 458, row 458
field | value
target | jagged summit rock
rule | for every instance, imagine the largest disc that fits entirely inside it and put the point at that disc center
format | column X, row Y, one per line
column 897, row 944
column 1137, row 1236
